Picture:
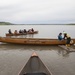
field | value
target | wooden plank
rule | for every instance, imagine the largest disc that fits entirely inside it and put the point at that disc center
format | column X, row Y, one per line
column 67, row 48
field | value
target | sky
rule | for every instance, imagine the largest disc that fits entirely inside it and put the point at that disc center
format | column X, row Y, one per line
column 37, row 11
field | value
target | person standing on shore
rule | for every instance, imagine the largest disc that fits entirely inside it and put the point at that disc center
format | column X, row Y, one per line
column 68, row 39
column 64, row 33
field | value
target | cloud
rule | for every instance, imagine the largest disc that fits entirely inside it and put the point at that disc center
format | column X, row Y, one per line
column 37, row 11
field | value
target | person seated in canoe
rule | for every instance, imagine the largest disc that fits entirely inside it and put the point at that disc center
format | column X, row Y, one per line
column 24, row 31
column 60, row 36
column 15, row 32
column 9, row 31
column 20, row 31
column 29, row 30
column 32, row 30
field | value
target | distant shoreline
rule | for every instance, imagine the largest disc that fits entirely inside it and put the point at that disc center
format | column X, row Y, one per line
column 8, row 23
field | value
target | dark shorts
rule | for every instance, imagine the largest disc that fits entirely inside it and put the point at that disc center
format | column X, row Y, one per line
column 68, row 40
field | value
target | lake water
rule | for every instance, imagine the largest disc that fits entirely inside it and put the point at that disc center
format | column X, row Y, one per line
column 45, row 31
column 14, row 57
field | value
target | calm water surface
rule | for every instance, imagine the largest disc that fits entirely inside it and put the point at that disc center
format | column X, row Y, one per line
column 14, row 57
column 45, row 31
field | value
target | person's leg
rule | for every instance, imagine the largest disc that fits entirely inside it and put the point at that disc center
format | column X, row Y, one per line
column 68, row 42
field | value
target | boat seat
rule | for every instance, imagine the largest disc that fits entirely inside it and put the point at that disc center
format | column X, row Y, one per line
column 35, row 74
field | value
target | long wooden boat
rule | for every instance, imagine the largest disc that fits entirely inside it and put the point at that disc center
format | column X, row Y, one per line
column 33, row 41
column 35, row 66
column 17, row 34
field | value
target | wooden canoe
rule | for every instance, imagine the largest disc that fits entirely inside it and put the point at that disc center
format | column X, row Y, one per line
column 35, row 32
column 33, row 41
column 35, row 66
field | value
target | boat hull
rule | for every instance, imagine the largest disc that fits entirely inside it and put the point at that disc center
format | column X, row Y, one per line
column 33, row 41
column 35, row 66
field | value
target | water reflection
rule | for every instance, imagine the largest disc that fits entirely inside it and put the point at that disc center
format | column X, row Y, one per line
column 23, row 36
column 60, row 51
column 64, row 53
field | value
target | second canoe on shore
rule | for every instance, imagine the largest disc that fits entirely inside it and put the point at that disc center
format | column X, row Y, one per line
column 33, row 41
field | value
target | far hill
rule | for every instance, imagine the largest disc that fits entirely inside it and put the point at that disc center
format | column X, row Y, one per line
column 8, row 23
column 5, row 23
